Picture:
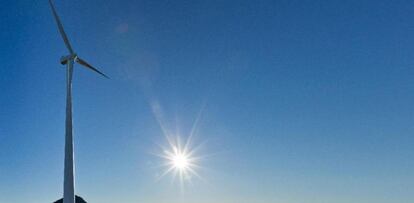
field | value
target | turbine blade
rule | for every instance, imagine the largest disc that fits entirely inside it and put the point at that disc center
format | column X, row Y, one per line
column 87, row 65
column 60, row 26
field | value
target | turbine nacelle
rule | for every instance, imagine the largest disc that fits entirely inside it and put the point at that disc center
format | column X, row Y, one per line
column 64, row 59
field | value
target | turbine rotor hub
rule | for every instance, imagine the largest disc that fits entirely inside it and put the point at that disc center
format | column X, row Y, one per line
column 64, row 59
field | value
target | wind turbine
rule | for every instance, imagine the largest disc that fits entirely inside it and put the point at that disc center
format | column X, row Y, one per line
column 69, row 60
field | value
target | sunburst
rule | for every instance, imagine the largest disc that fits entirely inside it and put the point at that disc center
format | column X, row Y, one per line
column 179, row 158
column 180, row 161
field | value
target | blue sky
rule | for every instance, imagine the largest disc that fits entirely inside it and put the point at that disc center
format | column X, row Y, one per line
column 298, row 101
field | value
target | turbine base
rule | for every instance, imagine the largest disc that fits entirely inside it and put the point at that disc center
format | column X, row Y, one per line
column 77, row 200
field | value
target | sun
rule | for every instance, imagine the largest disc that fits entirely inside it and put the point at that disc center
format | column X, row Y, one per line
column 180, row 160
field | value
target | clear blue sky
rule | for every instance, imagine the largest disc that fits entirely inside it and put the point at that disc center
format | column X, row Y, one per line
column 300, row 101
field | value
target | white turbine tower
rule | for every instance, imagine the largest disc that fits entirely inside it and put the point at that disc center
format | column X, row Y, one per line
column 69, row 60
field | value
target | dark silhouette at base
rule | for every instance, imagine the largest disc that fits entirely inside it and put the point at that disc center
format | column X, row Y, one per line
column 77, row 200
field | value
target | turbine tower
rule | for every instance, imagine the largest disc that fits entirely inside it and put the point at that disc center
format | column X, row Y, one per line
column 69, row 60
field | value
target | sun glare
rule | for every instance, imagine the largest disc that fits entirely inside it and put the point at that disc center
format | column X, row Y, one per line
column 180, row 161
column 180, row 157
